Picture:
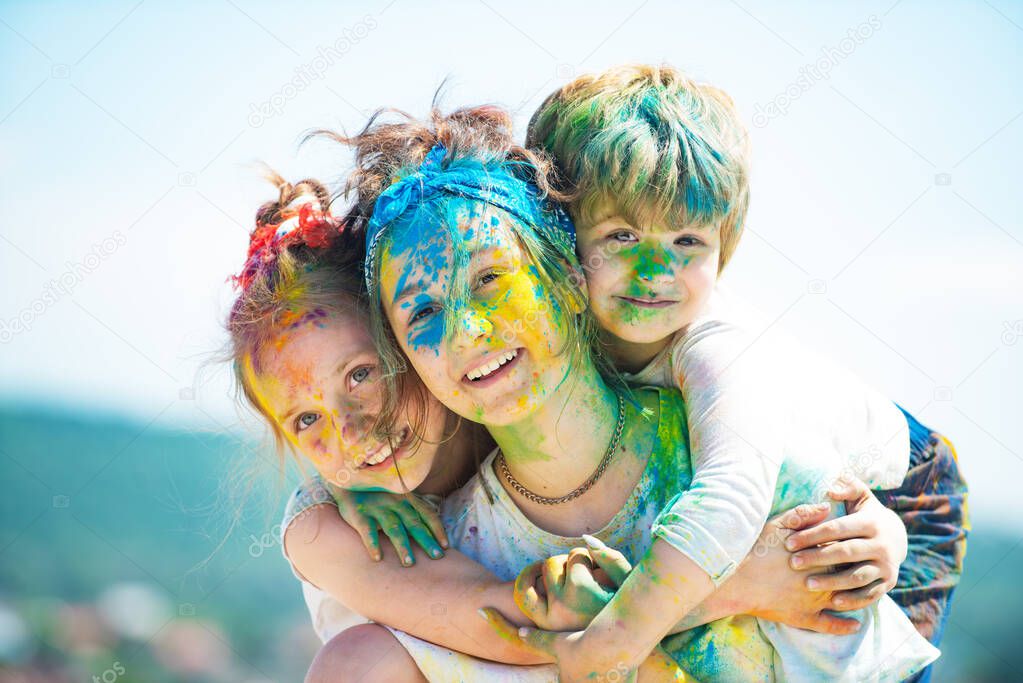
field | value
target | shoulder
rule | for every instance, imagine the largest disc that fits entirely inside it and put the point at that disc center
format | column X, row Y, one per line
column 710, row 336
column 666, row 409
column 671, row 418
column 306, row 496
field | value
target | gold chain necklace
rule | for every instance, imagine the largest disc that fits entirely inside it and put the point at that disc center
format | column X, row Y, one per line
column 616, row 439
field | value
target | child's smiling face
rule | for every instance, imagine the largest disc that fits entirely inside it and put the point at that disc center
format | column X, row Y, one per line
column 646, row 282
column 320, row 381
column 491, row 351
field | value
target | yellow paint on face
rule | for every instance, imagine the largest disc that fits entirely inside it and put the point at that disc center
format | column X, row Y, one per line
column 507, row 306
column 311, row 378
column 263, row 387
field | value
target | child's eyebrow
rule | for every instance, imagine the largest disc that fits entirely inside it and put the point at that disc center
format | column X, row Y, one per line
column 287, row 416
column 413, row 289
column 493, row 251
column 409, row 291
column 618, row 222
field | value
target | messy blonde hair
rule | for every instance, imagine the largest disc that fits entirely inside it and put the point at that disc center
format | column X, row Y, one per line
column 651, row 142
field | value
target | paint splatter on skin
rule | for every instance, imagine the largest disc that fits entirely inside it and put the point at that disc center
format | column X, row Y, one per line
column 473, row 280
column 654, row 446
column 460, row 294
column 318, row 380
column 646, row 282
column 294, row 319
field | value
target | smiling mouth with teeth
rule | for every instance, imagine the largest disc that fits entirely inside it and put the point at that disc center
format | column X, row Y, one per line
column 385, row 451
column 495, row 364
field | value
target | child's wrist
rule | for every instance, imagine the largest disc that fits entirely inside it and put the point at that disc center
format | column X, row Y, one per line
column 618, row 647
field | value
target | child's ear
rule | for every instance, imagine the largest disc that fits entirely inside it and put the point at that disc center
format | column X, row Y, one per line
column 581, row 294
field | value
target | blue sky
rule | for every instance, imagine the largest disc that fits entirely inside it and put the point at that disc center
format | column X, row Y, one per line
column 885, row 227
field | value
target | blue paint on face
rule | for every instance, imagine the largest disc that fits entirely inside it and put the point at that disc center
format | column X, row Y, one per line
column 429, row 241
column 429, row 331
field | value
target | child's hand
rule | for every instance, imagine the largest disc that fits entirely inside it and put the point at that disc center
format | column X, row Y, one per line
column 565, row 592
column 399, row 516
column 766, row 586
column 869, row 544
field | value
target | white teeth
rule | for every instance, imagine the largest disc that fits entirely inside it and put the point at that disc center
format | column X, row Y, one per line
column 379, row 457
column 489, row 368
column 385, row 450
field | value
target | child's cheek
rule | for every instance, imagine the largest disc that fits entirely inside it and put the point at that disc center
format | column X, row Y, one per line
column 319, row 443
column 700, row 275
column 528, row 313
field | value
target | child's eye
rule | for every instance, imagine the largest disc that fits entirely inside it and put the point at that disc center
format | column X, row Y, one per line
column 422, row 314
column 689, row 241
column 487, row 277
column 622, row 236
column 305, row 420
column 360, row 374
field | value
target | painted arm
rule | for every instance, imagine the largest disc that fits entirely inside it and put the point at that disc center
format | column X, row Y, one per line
column 869, row 543
column 705, row 532
column 436, row 600
column 742, row 396
column 564, row 593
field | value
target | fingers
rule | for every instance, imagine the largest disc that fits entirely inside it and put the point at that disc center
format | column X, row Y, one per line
column 395, row 532
column 504, row 628
column 610, row 560
column 823, row 622
column 849, row 490
column 840, row 529
column 857, row 576
column 370, row 538
column 846, row 552
column 860, row 598
column 532, row 604
column 579, row 567
column 605, row 581
column 432, row 519
column 848, row 487
column 416, row 526
column 802, row 516
column 540, row 641
column 553, row 573
column 363, row 524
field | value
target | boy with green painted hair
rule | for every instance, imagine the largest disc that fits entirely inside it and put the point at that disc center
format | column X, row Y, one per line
column 657, row 166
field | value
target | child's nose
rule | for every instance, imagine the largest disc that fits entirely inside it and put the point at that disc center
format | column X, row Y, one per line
column 470, row 325
column 655, row 266
column 354, row 428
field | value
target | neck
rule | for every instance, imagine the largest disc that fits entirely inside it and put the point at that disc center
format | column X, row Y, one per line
column 562, row 442
column 631, row 356
column 456, row 458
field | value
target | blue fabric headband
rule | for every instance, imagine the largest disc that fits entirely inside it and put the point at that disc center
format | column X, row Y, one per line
column 494, row 184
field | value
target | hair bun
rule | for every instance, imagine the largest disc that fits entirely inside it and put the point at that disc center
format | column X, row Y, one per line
column 299, row 218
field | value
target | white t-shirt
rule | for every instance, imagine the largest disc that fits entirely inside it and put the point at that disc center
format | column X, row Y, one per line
column 756, row 407
column 502, row 539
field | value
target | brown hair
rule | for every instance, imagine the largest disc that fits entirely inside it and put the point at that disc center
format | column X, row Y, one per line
column 385, row 151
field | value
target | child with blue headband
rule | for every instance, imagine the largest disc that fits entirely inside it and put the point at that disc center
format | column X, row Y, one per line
column 430, row 290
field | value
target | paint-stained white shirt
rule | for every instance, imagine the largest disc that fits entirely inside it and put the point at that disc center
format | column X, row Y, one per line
column 493, row 531
column 757, row 405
